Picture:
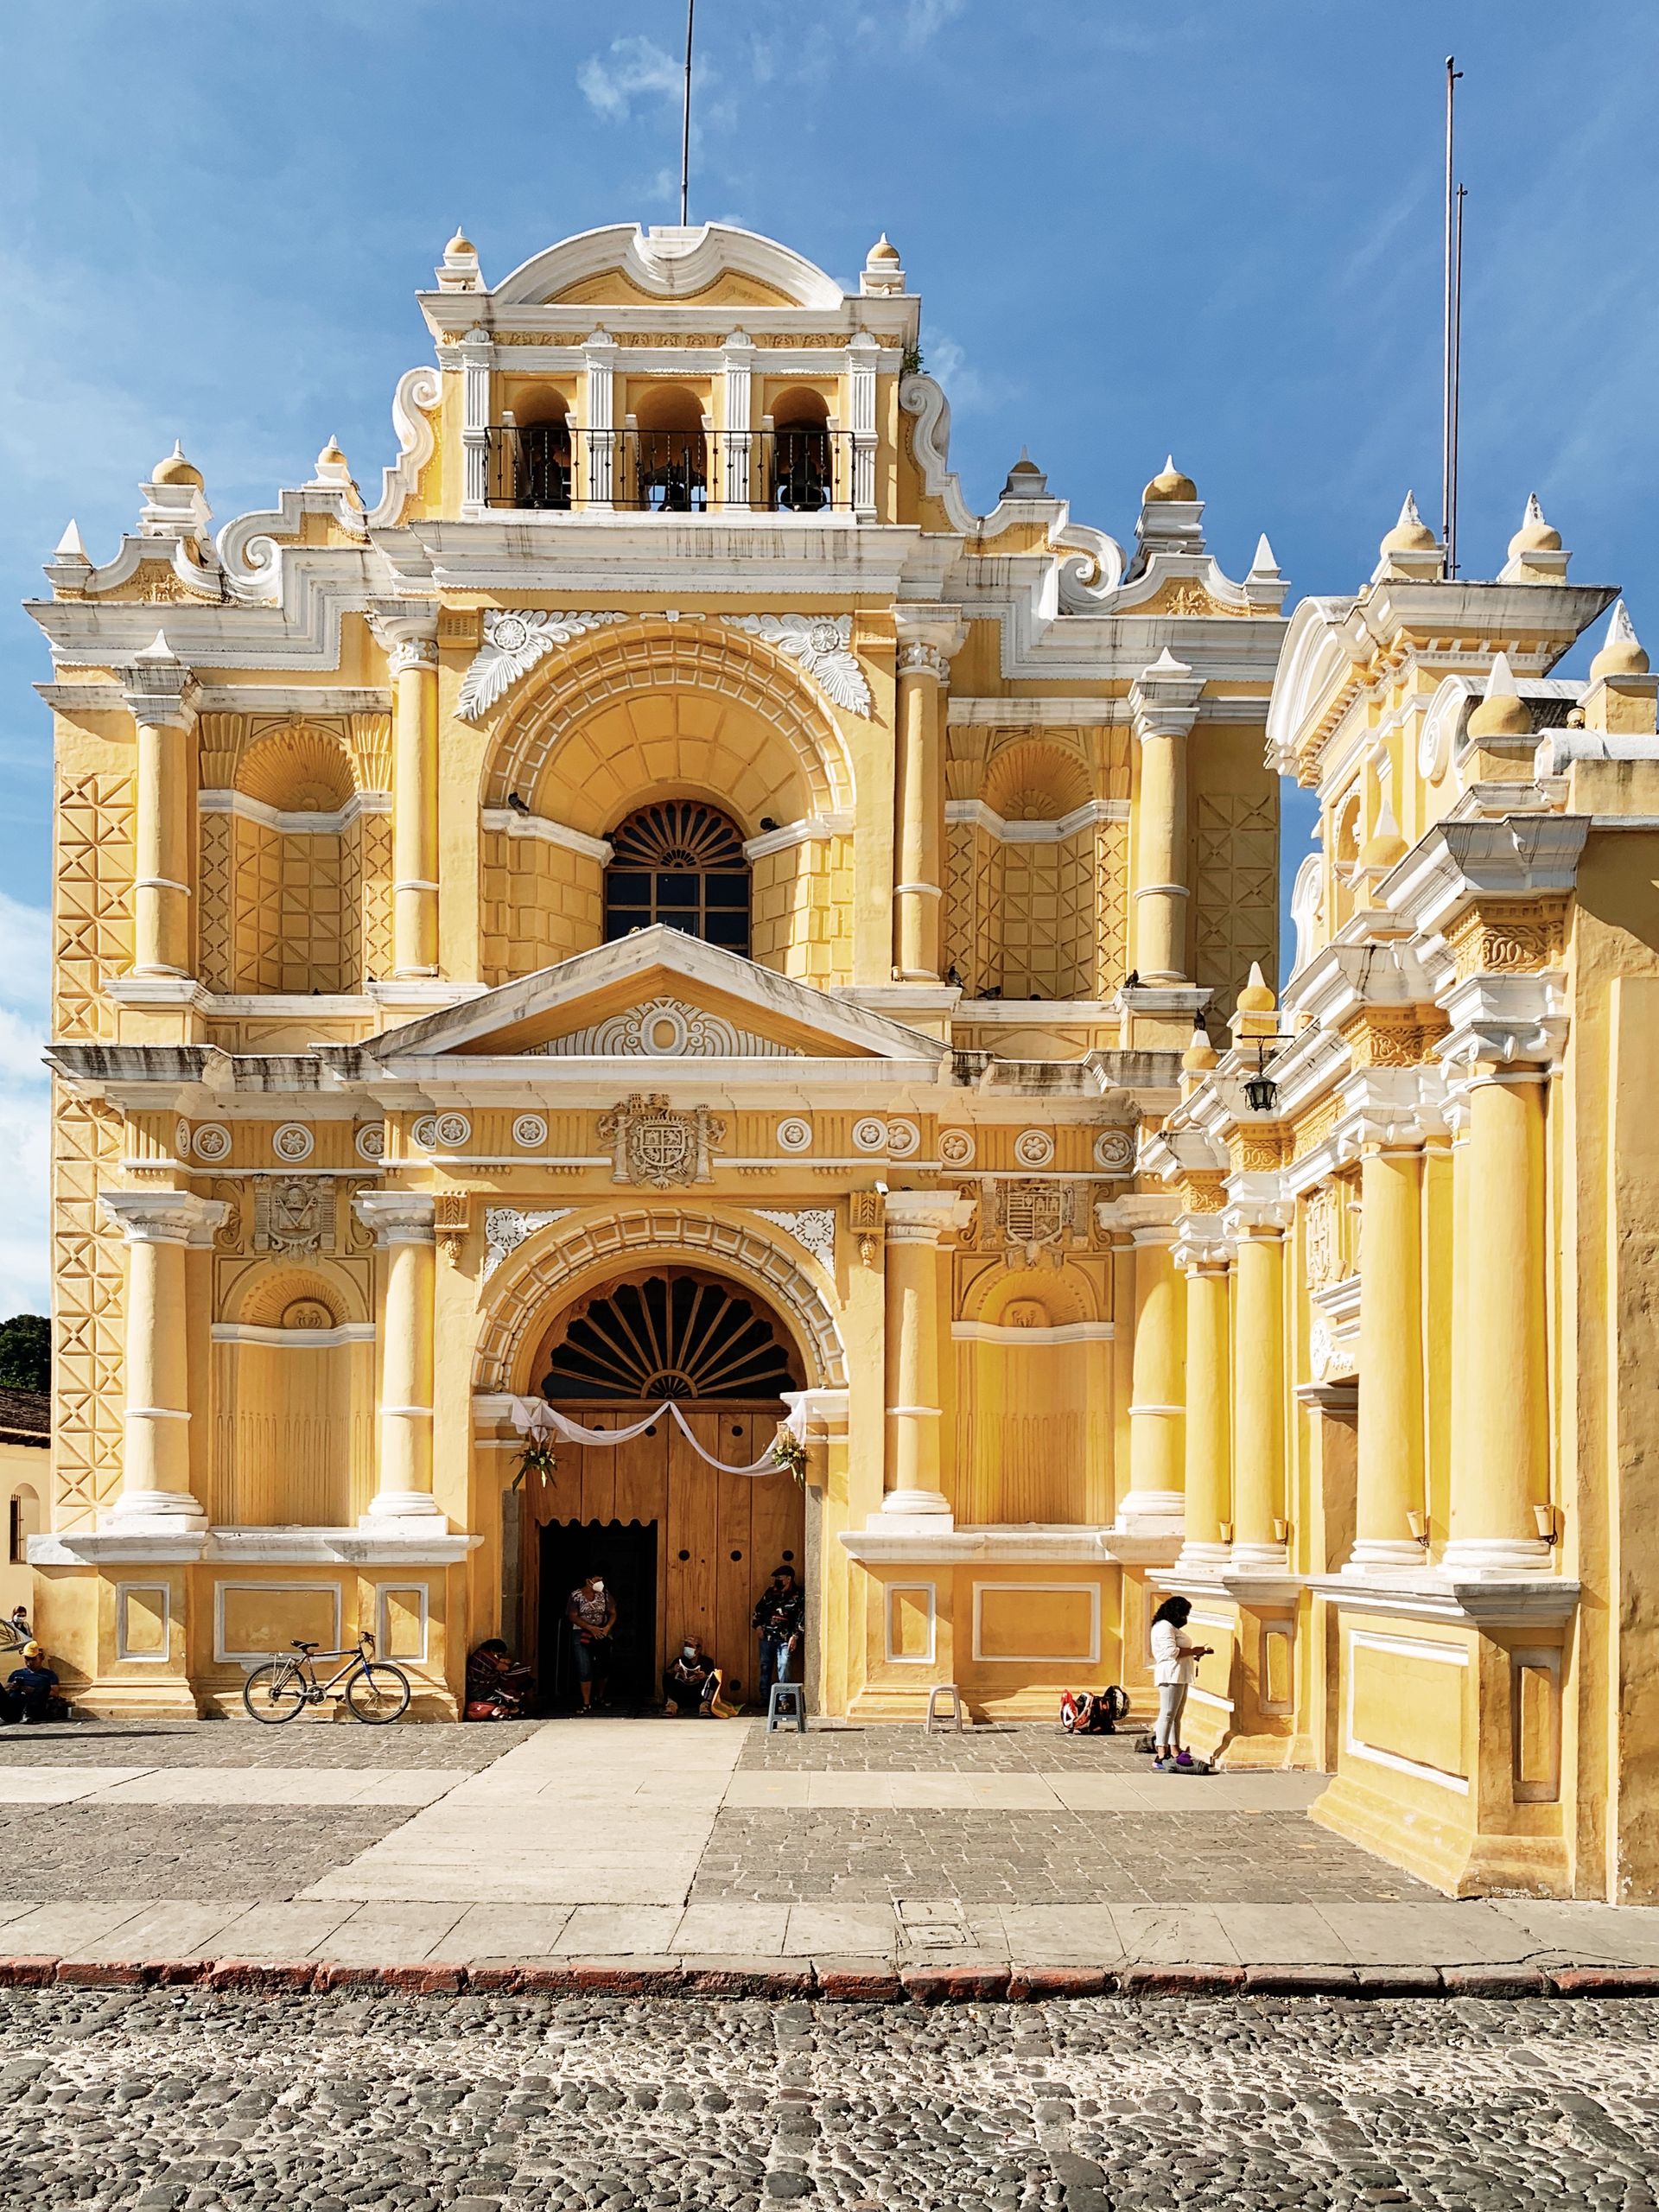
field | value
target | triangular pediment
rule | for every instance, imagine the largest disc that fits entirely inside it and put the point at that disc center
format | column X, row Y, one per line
column 657, row 994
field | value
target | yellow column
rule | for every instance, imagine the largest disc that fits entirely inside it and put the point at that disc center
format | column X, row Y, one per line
column 916, row 1220
column 1389, row 1479
column 410, row 642
column 1258, row 1390
column 1500, row 1447
column 927, row 636
column 1207, row 1268
column 403, row 1223
column 163, row 843
column 158, row 1225
column 1157, row 1461
column 1164, row 705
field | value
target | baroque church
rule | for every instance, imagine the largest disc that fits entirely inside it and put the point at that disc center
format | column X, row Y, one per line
column 659, row 996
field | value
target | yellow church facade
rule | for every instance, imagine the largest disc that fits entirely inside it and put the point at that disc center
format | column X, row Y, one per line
column 667, row 914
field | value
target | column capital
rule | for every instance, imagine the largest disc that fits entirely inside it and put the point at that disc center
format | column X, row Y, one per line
column 928, row 637
column 1163, row 698
column 1502, row 1027
column 1258, row 1219
column 163, row 1217
column 408, row 635
column 158, row 687
column 1200, row 1246
column 923, row 1216
column 397, row 1217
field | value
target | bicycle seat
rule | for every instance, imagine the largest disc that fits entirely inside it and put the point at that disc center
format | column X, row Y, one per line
column 300, row 1645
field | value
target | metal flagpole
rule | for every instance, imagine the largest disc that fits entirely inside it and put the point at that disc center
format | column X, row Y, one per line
column 685, row 126
column 1448, row 364
column 1457, row 374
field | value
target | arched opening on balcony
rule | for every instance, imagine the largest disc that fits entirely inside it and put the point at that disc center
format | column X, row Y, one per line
column 535, row 457
column 801, row 460
column 670, row 452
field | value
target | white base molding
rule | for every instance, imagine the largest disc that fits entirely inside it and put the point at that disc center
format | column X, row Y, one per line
column 1385, row 1554
column 1506, row 1600
column 1496, row 1555
column 426, row 1542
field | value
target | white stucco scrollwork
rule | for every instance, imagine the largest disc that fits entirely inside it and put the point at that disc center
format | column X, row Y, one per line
column 822, row 644
column 515, row 638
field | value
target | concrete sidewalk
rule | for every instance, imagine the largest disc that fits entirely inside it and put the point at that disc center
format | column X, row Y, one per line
column 664, row 1854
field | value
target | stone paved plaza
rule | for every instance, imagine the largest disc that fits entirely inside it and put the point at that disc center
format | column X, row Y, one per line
column 185, row 2100
column 618, row 1840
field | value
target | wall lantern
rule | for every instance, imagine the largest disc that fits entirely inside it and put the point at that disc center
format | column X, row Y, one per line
column 1261, row 1091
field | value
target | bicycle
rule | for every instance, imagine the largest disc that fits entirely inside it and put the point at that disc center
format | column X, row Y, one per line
column 375, row 1692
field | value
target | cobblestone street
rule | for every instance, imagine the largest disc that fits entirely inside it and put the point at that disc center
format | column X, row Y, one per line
column 182, row 2101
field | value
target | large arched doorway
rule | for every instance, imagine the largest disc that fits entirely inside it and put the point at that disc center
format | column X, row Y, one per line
column 684, row 1547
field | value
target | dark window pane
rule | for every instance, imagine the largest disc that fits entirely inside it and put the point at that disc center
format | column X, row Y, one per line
column 686, row 922
column 730, row 930
column 726, row 890
column 677, row 890
column 627, row 887
column 618, row 925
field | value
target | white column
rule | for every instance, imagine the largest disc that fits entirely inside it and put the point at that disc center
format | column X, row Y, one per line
column 863, row 355
column 157, row 693
column 411, row 639
column 1164, row 705
column 403, row 1223
column 477, row 352
column 734, row 487
column 599, row 357
column 156, row 1495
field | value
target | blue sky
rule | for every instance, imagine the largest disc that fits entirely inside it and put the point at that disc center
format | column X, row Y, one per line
column 1135, row 227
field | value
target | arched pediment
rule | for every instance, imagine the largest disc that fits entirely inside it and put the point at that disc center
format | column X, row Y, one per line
column 672, row 266
column 744, row 726
column 1314, row 658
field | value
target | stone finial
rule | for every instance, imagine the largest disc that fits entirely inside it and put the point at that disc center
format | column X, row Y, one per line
column 333, row 470
column 175, row 469
column 1385, row 847
column 1025, row 479
column 1200, row 1054
column 882, row 270
column 459, row 271
column 69, row 547
column 1257, row 995
column 1410, row 534
column 1535, row 554
column 1501, row 712
column 1621, row 652
column 1169, row 483
column 1264, row 563
column 1536, row 534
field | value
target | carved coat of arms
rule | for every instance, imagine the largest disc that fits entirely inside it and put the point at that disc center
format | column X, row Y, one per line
column 294, row 1213
column 1034, row 1219
column 659, row 1145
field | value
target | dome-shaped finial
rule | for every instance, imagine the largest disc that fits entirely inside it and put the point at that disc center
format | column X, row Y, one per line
column 175, row 469
column 1411, row 534
column 1621, row 652
column 1536, row 535
column 1257, row 995
column 883, row 250
column 1502, row 711
column 1200, row 1054
column 1385, row 847
column 460, row 243
column 1169, row 483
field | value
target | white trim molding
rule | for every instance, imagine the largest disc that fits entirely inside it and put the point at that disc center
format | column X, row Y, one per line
column 1447, row 1654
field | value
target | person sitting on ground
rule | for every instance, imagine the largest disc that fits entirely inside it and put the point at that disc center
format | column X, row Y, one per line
column 1175, row 1659
column 496, row 1688
column 31, row 1693
column 591, row 1612
column 690, row 1682
column 780, row 1615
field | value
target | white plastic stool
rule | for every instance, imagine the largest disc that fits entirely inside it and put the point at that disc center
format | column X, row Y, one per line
column 787, row 1700
column 944, row 1690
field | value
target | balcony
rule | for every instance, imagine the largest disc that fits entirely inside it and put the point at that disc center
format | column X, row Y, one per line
column 552, row 467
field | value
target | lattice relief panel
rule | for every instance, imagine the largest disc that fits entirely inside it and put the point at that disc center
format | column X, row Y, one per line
column 1047, row 920
column 973, row 891
column 89, row 1282
column 296, row 906
column 93, row 904
column 1112, row 896
column 1236, row 885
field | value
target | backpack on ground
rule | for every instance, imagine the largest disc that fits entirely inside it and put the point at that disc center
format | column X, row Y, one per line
column 1092, row 1712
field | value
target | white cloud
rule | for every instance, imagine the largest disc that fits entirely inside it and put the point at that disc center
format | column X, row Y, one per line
column 918, row 21
column 970, row 391
column 634, row 68
column 25, row 1106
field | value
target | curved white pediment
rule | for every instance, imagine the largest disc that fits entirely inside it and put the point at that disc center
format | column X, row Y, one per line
column 669, row 264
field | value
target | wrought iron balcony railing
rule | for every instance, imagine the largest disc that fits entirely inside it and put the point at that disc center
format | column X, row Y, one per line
column 553, row 466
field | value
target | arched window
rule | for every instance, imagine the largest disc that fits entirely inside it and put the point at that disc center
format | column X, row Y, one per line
column 802, row 476
column 681, row 862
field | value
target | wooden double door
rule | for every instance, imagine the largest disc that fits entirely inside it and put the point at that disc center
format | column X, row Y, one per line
column 715, row 1538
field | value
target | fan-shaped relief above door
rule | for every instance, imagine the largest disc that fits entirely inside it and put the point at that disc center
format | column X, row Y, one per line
column 685, row 1336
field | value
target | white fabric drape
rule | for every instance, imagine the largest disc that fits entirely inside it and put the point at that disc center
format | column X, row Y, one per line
column 537, row 1421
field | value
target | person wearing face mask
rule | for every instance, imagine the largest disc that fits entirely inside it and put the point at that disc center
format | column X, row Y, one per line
column 591, row 1612
column 690, row 1682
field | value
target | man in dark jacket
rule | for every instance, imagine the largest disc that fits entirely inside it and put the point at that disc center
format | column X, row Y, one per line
column 31, row 1692
column 781, row 1618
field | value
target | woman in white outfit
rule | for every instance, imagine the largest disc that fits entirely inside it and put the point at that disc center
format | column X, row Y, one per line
column 1174, row 1665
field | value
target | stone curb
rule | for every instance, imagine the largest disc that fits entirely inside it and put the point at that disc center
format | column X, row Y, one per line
column 840, row 1980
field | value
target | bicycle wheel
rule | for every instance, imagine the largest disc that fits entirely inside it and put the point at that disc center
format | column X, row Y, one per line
column 274, row 1694
column 377, row 1695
